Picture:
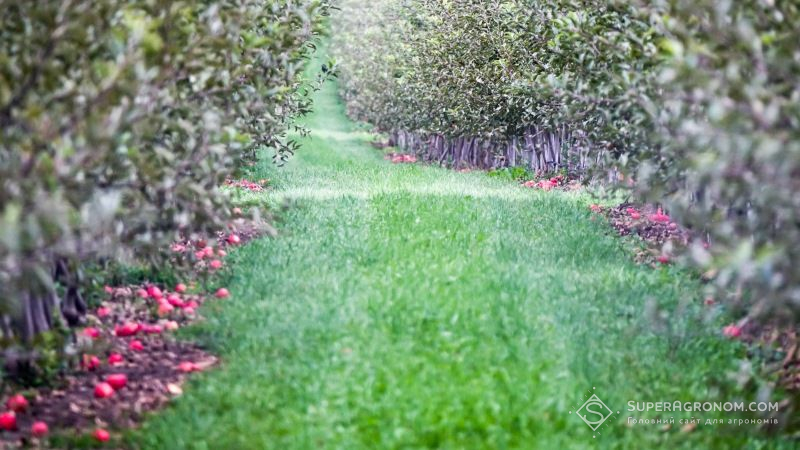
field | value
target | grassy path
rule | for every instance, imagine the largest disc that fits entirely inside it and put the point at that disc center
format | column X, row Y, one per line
column 413, row 307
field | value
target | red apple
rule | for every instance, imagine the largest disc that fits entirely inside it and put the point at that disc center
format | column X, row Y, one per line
column 141, row 293
column 8, row 421
column 164, row 309
column 732, row 331
column 171, row 325
column 663, row 259
column 91, row 332
column 117, row 380
column 636, row 216
column 39, row 429
column 191, row 304
column 115, row 358
column 154, row 292
column 188, row 311
column 215, row 264
column 233, row 239
column 152, row 329
column 199, row 254
column 17, row 403
column 103, row 390
column 180, row 288
column 101, row 435
column 187, row 367
column 222, row 253
column 108, row 289
column 91, row 362
column 136, row 345
column 222, row 293
column 103, row 311
column 659, row 217
column 128, row 329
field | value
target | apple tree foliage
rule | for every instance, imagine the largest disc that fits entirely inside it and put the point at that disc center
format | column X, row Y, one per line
column 120, row 119
column 696, row 101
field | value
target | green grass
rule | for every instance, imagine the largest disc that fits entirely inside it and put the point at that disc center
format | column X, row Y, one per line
column 411, row 307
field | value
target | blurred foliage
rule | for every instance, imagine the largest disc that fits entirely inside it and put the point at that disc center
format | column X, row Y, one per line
column 697, row 101
column 120, row 120
column 726, row 158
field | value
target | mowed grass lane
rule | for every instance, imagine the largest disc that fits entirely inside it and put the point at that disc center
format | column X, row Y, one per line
column 411, row 307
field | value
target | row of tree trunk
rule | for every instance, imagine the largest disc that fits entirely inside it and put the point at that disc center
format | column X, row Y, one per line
column 541, row 150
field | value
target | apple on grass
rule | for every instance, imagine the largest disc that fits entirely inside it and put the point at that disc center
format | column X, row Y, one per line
column 732, row 331
column 101, row 435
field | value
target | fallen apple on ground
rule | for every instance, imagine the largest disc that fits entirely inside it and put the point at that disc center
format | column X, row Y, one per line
column 8, row 421
column 154, row 291
column 117, row 380
column 101, row 435
column 17, row 403
column 164, row 309
column 103, row 390
column 91, row 332
column 187, row 367
column 732, row 331
column 128, row 329
column 39, row 429
column 91, row 362
column 115, row 358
